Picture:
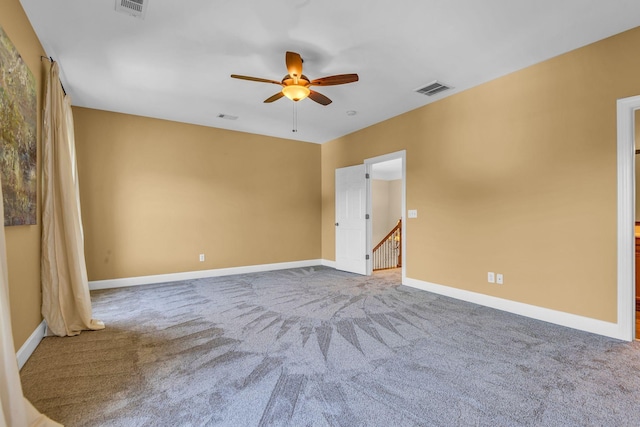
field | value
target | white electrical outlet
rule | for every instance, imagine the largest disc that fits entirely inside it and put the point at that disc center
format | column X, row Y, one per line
column 499, row 279
column 201, row 257
column 491, row 277
column 413, row 213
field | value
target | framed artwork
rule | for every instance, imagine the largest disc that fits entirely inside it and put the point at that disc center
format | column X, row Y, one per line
column 18, row 136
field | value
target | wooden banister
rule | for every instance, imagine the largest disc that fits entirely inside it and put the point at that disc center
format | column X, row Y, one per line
column 388, row 253
column 398, row 227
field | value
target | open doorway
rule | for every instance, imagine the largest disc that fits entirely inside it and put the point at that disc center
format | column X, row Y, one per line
column 353, row 207
column 386, row 203
column 386, row 215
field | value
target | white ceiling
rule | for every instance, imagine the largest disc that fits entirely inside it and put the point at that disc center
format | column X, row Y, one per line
column 175, row 64
column 387, row 171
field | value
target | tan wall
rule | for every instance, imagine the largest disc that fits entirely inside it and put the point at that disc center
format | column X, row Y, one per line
column 516, row 176
column 395, row 202
column 379, row 209
column 23, row 242
column 386, row 207
column 155, row 194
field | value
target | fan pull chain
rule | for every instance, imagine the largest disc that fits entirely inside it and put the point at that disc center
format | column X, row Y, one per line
column 295, row 117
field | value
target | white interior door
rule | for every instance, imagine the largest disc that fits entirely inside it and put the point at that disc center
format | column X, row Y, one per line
column 351, row 225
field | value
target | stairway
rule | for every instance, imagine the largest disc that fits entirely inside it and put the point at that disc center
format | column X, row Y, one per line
column 388, row 253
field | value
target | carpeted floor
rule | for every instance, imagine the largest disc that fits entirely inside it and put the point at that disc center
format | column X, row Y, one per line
column 320, row 347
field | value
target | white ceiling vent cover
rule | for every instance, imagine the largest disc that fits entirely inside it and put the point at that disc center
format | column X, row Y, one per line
column 433, row 88
column 136, row 8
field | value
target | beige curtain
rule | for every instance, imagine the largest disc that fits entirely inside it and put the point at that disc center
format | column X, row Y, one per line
column 66, row 303
column 15, row 410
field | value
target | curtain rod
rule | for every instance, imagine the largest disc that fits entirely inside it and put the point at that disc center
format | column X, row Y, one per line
column 50, row 59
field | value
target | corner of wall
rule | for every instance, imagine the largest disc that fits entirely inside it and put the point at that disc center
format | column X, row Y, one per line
column 29, row 346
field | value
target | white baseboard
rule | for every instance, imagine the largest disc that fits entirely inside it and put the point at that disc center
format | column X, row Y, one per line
column 574, row 321
column 30, row 344
column 328, row 263
column 547, row 315
column 200, row 274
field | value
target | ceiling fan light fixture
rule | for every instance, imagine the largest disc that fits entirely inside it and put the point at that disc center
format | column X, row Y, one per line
column 296, row 92
column 296, row 86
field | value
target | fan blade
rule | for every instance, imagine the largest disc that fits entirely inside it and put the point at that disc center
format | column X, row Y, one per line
column 340, row 79
column 274, row 97
column 255, row 79
column 319, row 98
column 294, row 65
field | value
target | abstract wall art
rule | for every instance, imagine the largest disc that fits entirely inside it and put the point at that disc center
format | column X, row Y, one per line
column 18, row 136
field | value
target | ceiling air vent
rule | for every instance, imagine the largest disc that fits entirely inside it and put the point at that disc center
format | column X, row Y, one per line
column 433, row 88
column 227, row 116
column 136, row 8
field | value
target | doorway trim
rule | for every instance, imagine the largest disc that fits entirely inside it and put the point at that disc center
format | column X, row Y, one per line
column 402, row 154
column 626, row 216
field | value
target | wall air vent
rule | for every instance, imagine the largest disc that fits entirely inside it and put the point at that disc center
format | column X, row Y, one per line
column 433, row 88
column 136, row 8
column 227, row 116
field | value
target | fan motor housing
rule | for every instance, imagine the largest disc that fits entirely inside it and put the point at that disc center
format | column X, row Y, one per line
column 302, row 81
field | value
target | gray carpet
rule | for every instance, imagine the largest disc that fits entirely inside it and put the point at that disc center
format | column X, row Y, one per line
column 319, row 347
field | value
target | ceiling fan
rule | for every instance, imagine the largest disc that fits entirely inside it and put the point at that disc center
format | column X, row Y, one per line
column 296, row 86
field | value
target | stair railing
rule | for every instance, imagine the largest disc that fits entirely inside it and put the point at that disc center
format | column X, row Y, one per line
column 388, row 253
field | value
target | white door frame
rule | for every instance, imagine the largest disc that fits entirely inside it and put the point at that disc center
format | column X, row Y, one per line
column 368, row 163
column 626, row 217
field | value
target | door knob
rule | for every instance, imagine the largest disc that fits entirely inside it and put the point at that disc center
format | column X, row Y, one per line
column 337, row 224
